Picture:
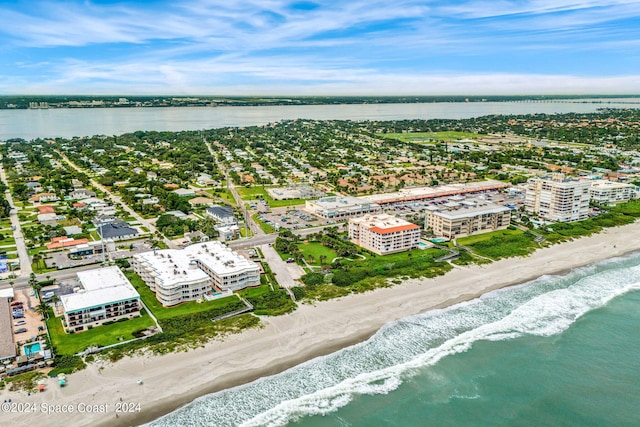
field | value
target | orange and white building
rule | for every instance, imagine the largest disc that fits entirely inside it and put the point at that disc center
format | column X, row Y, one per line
column 384, row 234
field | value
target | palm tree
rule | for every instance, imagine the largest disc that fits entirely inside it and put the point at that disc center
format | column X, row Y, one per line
column 36, row 260
column 55, row 300
column 43, row 309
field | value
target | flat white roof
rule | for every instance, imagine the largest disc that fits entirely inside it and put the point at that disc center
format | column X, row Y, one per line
column 220, row 258
column 341, row 202
column 172, row 267
column 175, row 266
column 432, row 192
column 6, row 293
column 100, row 286
column 382, row 221
column 603, row 184
column 466, row 211
column 102, row 278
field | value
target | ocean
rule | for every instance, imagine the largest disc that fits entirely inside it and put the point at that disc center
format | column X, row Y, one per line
column 560, row 350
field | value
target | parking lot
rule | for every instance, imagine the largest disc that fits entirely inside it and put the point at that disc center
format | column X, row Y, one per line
column 411, row 209
column 61, row 259
column 31, row 321
column 292, row 218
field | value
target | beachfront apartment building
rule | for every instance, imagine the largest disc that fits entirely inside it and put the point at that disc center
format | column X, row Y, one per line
column 608, row 192
column 341, row 207
column 105, row 295
column 466, row 217
column 384, row 234
column 558, row 198
column 179, row 275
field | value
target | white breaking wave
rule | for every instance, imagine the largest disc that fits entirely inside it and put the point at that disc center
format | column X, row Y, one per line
column 543, row 307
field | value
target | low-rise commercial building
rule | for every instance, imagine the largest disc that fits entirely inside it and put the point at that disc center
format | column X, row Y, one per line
column 179, row 275
column 341, row 207
column 384, row 234
column 466, row 218
column 420, row 194
column 7, row 346
column 105, row 295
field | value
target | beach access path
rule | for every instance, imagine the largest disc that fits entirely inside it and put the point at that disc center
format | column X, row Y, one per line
column 172, row 380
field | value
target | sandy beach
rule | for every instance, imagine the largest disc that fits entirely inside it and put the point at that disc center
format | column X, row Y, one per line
column 94, row 394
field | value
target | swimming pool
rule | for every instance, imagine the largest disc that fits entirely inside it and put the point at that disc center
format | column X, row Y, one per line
column 438, row 240
column 30, row 349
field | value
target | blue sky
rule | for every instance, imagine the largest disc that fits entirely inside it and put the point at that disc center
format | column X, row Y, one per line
column 346, row 47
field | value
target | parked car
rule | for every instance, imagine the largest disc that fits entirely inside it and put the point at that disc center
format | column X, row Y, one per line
column 20, row 330
column 20, row 323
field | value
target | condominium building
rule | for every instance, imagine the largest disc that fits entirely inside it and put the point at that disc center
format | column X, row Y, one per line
column 179, row 275
column 558, row 198
column 466, row 217
column 608, row 192
column 384, row 234
column 105, row 295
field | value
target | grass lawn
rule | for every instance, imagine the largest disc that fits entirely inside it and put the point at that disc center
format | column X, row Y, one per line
column 34, row 251
column 101, row 335
column 245, row 232
column 502, row 244
column 317, row 249
column 161, row 312
column 430, row 137
column 268, row 302
column 267, row 228
column 94, row 235
column 7, row 241
column 259, row 192
column 160, row 244
column 226, row 196
column 354, row 276
column 470, row 240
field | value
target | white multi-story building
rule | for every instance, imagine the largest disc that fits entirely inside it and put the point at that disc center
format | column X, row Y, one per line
column 178, row 275
column 558, row 198
column 608, row 192
column 384, row 234
column 466, row 218
column 105, row 295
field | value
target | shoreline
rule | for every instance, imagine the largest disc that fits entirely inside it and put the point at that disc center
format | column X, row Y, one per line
column 173, row 380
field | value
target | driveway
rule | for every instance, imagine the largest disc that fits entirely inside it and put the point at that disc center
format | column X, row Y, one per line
column 286, row 273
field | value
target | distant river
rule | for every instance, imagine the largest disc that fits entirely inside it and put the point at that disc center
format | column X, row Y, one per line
column 66, row 123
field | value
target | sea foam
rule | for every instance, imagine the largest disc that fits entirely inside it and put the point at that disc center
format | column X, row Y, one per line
column 543, row 307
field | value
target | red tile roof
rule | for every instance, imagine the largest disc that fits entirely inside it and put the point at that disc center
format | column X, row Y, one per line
column 46, row 209
column 63, row 242
column 394, row 229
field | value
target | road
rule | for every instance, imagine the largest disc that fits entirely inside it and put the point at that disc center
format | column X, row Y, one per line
column 255, row 229
column 25, row 260
column 271, row 238
column 118, row 200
